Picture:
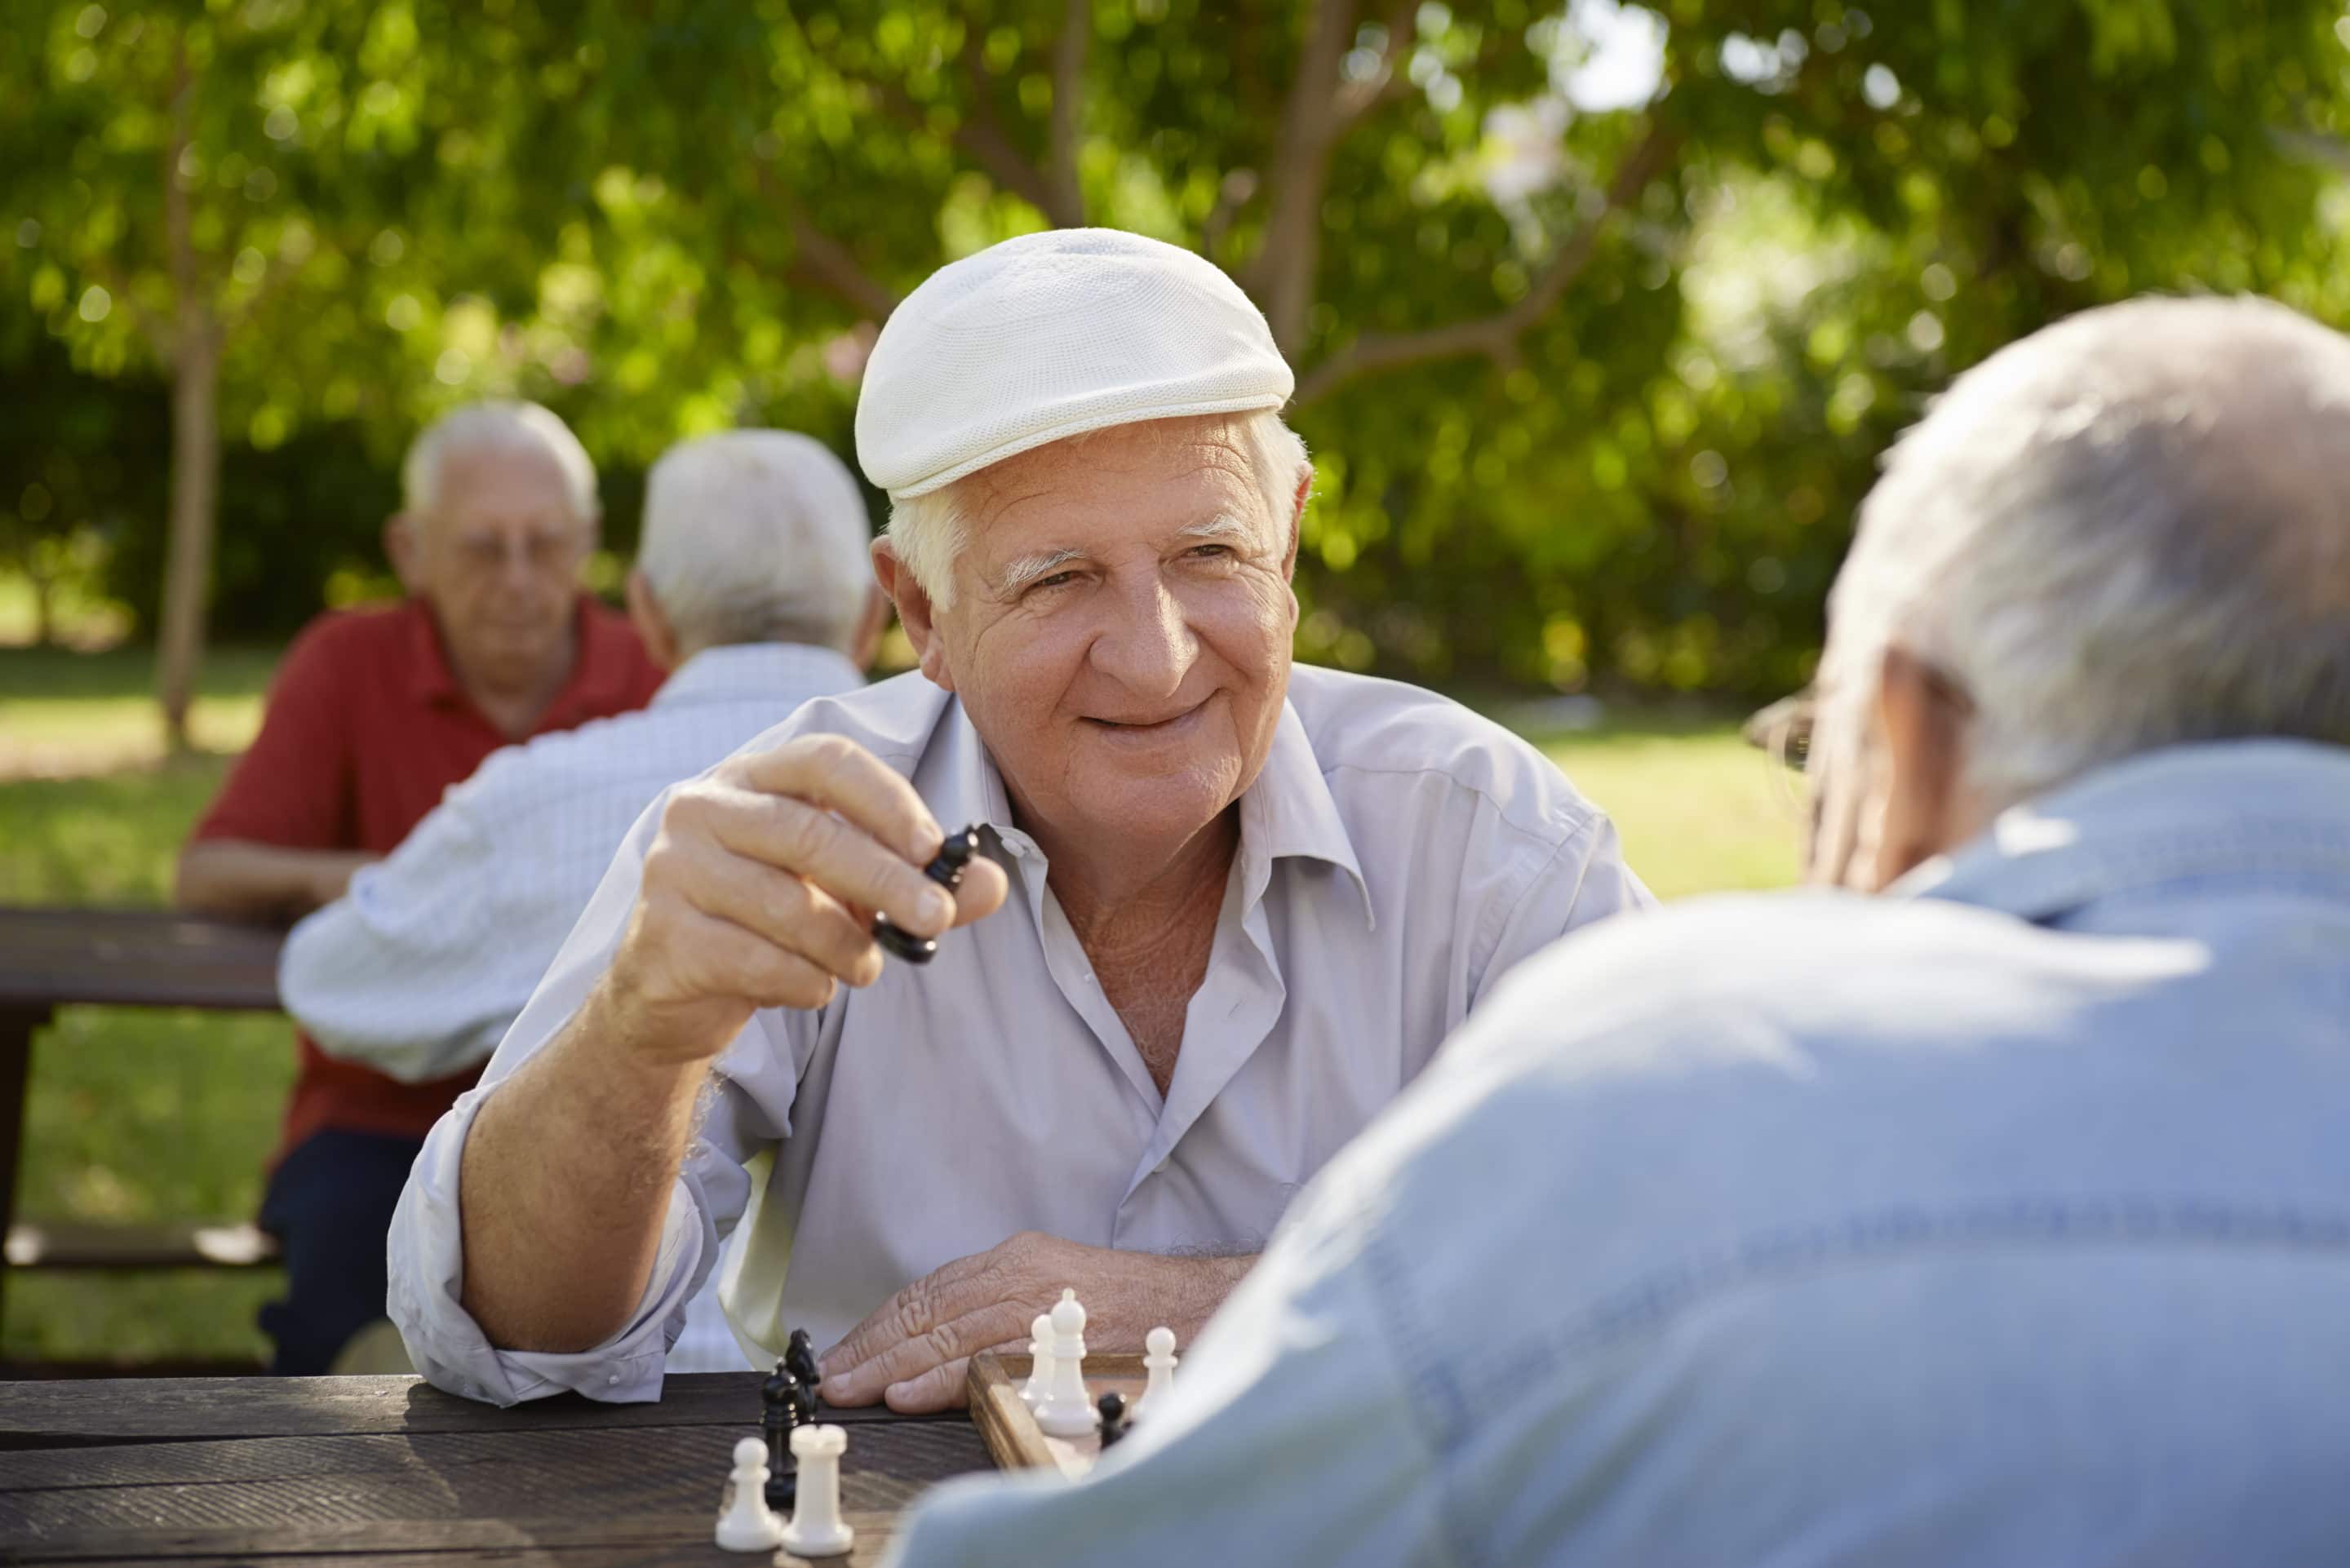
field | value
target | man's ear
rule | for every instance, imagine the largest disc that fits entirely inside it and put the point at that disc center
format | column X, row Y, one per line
column 652, row 623
column 404, row 549
column 913, row 612
column 1297, row 500
column 1923, row 721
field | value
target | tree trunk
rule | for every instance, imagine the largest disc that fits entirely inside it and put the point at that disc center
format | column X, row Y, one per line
column 195, row 487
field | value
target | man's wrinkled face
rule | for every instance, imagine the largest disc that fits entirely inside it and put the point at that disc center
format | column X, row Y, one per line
column 498, row 559
column 1120, row 633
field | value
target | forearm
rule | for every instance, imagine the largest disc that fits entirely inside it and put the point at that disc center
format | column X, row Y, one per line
column 565, row 1183
column 244, row 880
column 1189, row 1291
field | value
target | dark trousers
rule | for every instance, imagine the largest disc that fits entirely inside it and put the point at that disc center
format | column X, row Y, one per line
column 330, row 1205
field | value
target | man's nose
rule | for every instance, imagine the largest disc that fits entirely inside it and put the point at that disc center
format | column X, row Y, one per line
column 1148, row 646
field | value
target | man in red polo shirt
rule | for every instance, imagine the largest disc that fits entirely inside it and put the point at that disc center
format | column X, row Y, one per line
column 373, row 715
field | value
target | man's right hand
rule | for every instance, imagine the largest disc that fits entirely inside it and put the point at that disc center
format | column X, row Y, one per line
column 761, row 890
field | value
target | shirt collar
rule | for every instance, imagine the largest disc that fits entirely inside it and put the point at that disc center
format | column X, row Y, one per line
column 1287, row 812
column 750, row 671
column 600, row 665
column 2234, row 809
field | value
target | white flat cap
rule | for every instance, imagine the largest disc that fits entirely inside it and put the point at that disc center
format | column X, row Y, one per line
column 1049, row 336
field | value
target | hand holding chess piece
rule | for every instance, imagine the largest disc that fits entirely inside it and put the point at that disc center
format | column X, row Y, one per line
column 762, row 888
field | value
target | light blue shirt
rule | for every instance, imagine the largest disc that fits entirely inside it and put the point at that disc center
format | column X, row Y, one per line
column 2006, row 1221
column 421, row 967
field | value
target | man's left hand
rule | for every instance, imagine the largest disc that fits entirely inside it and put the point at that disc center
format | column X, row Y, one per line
column 914, row 1351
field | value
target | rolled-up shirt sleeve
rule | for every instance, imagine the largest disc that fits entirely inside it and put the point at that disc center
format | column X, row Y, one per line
column 426, row 1253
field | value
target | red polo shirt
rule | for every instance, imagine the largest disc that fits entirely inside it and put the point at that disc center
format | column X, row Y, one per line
column 366, row 727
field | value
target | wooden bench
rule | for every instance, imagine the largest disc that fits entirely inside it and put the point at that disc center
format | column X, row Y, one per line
column 54, row 957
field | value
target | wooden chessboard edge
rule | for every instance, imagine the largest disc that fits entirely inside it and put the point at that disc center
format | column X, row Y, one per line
column 1001, row 1415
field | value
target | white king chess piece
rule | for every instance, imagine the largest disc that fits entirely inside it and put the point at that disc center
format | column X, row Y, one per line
column 1065, row 1411
column 1040, row 1358
column 1159, row 1362
column 815, row 1529
column 748, row 1524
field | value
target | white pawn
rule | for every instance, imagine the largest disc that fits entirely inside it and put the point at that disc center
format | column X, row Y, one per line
column 1065, row 1411
column 748, row 1524
column 815, row 1529
column 1040, row 1357
column 1159, row 1361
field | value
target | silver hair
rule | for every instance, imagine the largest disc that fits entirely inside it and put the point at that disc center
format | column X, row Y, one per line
column 929, row 531
column 497, row 426
column 756, row 537
column 2128, row 531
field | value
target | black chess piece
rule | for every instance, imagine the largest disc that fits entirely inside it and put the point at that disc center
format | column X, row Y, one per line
column 1114, row 1418
column 946, row 870
column 779, row 1412
column 800, row 1355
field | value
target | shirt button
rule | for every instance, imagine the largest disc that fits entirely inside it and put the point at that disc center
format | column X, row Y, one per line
column 611, row 1378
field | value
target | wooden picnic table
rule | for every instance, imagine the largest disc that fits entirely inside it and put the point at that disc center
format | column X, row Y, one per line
column 374, row 1472
column 53, row 958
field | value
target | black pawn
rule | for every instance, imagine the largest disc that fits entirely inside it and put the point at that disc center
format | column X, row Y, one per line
column 946, row 870
column 779, row 1412
column 1114, row 1418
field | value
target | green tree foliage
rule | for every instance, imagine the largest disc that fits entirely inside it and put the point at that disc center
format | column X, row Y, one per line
column 1595, row 359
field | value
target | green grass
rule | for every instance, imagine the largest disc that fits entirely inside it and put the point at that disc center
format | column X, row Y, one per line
column 59, row 708
column 140, row 1115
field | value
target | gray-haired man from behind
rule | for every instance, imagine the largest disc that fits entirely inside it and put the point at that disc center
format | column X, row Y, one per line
column 2002, row 1219
column 752, row 587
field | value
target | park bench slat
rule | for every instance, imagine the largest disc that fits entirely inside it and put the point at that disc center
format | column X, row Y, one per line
column 37, row 1244
column 136, row 958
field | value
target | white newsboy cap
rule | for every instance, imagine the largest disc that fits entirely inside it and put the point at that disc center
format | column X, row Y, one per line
column 1049, row 336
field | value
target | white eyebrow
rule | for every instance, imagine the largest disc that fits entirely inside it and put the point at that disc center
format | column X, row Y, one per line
column 1031, row 569
column 1222, row 526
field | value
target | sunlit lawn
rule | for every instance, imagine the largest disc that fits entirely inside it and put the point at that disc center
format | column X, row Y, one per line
column 139, row 1115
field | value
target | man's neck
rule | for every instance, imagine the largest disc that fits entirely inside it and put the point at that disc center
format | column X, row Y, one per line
column 1123, row 898
column 516, row 701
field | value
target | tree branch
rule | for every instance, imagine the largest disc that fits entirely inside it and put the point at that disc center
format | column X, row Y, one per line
column 1068, row 205
column 1282, row 277
column 819, row 261
column 118, row 283
column 1358, row 99
column 1497, row 335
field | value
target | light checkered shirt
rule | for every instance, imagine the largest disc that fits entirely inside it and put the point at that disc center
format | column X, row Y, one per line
column 419, row 969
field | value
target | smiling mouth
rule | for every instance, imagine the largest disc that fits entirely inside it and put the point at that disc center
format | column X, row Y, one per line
column 1144, row 727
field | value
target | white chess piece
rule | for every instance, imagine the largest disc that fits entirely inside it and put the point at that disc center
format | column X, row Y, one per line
column 815, row 1529
column 1040, row 1357
column 1065, row 1411
column 1159, row 1361
column 748, row 1524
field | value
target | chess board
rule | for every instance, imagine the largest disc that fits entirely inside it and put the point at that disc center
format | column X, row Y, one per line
column 1009, row 1427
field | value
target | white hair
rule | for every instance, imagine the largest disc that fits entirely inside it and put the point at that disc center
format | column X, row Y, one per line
column 756, row 537
column 2131, row 530
column 497, row 426
column 929, row 531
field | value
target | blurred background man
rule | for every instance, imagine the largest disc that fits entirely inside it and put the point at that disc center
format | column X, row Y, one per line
column 753, row 587
column 373, row 715
column 2002, row 1220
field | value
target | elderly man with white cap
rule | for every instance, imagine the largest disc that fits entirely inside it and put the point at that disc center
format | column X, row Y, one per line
column 1224, row 911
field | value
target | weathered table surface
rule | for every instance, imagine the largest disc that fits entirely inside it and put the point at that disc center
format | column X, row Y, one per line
column 118, row 958
column 369, row 1473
